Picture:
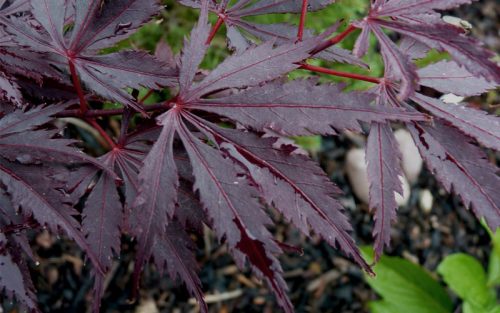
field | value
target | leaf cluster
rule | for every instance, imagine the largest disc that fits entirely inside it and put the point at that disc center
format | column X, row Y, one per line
column 405, row 286
column 211, row 152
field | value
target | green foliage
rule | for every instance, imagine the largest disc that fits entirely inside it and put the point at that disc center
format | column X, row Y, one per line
column 494, row 262
column 466, row 277
column 312, row 144
column 406, row 287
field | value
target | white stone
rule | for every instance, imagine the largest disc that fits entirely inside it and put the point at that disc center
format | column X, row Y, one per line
column 425, row 200
column 403, row 200
column 357, row 173
column 411, row 161
column 451, row 98
column 456, row 21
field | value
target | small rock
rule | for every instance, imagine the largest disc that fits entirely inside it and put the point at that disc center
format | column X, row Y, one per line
column 147, row 306
column 411, row 161
column 451, row 98
column 410, row 257
column 45, row 239
column 357, row 173
column 456, row 21
column 402, row 200
column 52, row 275
column 425, row 200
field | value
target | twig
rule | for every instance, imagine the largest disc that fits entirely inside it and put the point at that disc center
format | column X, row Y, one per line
column 328, row 71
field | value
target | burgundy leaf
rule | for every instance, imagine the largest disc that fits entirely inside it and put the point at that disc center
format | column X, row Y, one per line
column 99, row 26
column 289, row 108
column 233, row 207
column 473, row 122
column 252, row 67
column 10, row 218
column 20, row 144
column 96, row 27
column 194, row 50
column 464, row 50
column 384, row 170
column 275, row 6
column 9, row 90
column 158, row 191
column 22, row 121
column 33, row 193
column 413, row 48
column 189, row 211
column 461, row 168
column 449, row 77
column 398, row 66
column 102, row 217
column 411, row 7
column 294, row 184
column 282, row 33
column 12, row 279
column 173, row 250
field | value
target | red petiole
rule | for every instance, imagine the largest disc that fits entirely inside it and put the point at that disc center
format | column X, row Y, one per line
column 302, row 21
column 319, row 69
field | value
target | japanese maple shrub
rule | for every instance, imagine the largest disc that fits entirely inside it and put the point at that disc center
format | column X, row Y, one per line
column 159, row 181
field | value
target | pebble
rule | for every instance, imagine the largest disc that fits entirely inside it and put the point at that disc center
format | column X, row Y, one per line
column 357, row 173
column 411, row 162
column 425, row 200
column 451, row 98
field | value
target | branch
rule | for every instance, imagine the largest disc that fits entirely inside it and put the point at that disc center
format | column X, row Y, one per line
column 303, row 14
column 216, row 27
column 328, row 71
column 78, row 87
column 102, row 132
column 332, row 41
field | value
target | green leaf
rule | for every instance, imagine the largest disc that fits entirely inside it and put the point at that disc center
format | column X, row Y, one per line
column 494, row 263
column 309, row 143
column 383, row 307
column 470, row 308
column 406, row 287
column 466, row 277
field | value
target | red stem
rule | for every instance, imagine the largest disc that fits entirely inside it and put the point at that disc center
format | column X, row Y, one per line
column 328, row 71
column 78, row 87
column 302, row 22
column 335, row 40
column 146, row 96
column 216, row 27
column 101, row 131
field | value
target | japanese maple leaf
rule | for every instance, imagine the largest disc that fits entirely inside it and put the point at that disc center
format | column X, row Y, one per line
column 383, row 158
column 9, row 89
column 231, row 172
column 463, row 169
column 449, row 77
column 25, row 172
column 419, row 21
column 13, row 275
column 95, row 26
column 104, row 214
column 241, row 33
